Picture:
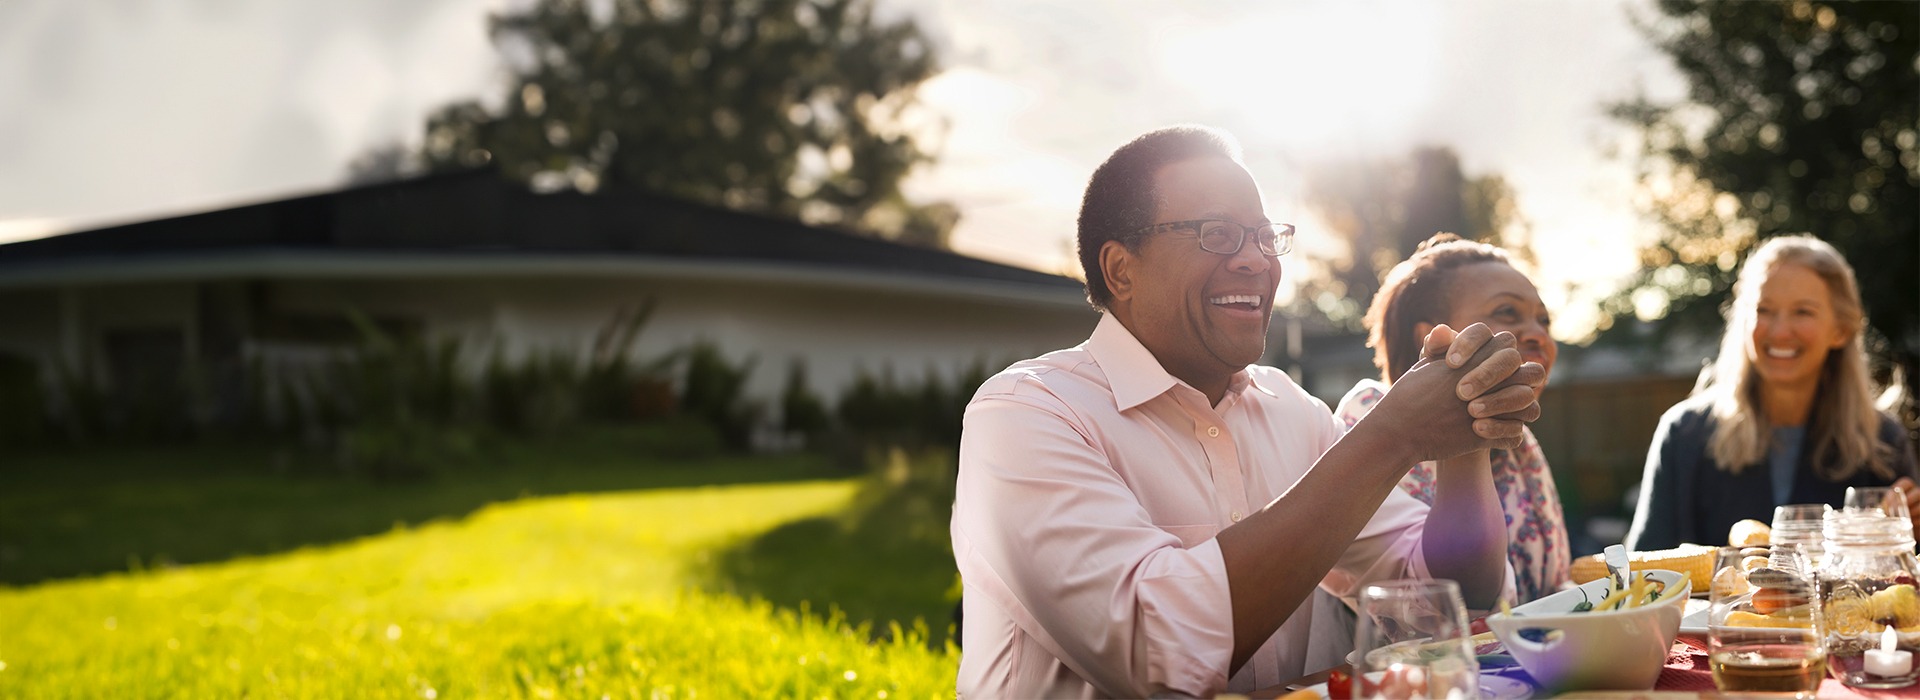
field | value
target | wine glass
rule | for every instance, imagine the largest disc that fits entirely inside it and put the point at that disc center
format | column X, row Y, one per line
column 1412, row 640
column 1764, row 624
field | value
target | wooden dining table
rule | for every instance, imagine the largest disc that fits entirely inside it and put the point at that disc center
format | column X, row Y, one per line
column 1685, row 676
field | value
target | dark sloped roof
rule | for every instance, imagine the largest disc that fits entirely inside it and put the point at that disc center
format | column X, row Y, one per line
column 479, row 213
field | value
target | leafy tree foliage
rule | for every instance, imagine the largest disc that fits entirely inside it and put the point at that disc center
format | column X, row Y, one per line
column 1799, row 117
column 1383, row 209
column 802, row 108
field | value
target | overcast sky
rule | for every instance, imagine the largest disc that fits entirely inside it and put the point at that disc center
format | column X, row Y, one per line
column 119, row 111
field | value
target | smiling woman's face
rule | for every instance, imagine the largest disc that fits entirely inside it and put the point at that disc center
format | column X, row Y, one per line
column 1794, row 327
column 1495, row 294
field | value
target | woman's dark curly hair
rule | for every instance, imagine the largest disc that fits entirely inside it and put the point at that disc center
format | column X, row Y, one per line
column 1418, row 289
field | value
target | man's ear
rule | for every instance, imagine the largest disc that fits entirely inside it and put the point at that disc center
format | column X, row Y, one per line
column 1421, row 329
column 1117, row 264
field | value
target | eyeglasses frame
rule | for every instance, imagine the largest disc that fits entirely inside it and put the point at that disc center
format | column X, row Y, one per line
column 1282, row 234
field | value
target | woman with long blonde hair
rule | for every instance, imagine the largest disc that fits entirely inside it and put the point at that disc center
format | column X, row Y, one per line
column 1787, row 414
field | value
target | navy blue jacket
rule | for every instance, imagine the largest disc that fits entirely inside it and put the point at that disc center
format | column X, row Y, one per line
column 1686, row 497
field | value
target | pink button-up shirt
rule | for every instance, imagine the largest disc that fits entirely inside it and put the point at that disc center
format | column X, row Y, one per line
column 1091, row 486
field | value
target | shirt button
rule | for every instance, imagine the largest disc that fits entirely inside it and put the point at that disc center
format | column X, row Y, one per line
column 1213, row 431
column 1236, row 516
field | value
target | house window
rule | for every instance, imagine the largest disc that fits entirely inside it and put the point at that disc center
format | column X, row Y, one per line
column 145, row 362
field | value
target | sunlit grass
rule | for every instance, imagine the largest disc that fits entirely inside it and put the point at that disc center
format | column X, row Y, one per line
column 573, row 596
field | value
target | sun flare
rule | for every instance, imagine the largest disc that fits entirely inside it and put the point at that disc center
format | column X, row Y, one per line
column 1329, row 78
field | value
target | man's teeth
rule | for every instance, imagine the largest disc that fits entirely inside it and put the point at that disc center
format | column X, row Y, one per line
column 1236, row 299
column 1783, row 353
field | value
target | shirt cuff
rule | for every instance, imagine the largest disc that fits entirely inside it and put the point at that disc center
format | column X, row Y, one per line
column 1186, row 610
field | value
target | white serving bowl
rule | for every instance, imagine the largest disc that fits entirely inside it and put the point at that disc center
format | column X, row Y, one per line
column 1600, row 649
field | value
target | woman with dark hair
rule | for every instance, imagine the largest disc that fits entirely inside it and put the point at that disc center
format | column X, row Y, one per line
column 1458, row 282
column 1786, row 414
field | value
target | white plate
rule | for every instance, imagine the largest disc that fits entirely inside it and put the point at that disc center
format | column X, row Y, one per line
column 1491, row 688
column 1695, row 621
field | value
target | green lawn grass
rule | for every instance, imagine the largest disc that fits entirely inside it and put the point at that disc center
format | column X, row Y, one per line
column 618, row 594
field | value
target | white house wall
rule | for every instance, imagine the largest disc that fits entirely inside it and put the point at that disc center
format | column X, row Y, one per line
column 836, row 332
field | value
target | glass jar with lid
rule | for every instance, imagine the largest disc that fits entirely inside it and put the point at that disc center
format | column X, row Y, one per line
column 1867, row 578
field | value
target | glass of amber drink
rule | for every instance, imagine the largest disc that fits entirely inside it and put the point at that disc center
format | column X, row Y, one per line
column 1764, row 624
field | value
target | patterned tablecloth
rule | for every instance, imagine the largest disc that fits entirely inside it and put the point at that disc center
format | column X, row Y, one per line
column 1686, row 673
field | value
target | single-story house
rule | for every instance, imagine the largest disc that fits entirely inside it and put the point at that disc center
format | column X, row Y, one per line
column 475, row 256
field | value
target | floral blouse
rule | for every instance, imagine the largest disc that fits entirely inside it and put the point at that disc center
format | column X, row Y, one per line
column 1536, row 526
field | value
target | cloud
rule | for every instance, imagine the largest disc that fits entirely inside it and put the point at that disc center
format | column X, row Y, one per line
column 1008, row 188
column 132, row 110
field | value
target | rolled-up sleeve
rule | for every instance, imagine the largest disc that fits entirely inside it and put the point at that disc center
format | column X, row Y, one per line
column 1050, row 533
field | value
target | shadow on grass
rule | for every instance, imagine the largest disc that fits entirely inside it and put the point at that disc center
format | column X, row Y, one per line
column 83, row 512
column 886, row 559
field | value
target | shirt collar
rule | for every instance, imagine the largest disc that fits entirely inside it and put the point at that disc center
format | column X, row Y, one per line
column 1134, row 374
column 1244, row 379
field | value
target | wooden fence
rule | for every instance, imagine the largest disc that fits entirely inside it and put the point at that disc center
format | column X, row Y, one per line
column 1595, row 436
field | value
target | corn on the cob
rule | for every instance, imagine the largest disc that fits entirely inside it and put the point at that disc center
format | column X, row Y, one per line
column 1696, row 561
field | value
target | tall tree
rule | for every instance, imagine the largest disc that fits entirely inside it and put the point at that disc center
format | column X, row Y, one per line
column 1800, row 116
column 1383, row 209
column 802, row 108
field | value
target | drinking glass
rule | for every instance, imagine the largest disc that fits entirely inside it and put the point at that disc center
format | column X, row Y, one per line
column 1764, row 623
column 1412, row 640
column 1889, row 500
column 1866, row 588
column 1800, row 524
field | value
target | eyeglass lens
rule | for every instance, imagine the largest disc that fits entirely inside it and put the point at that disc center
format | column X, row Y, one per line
column 1225, row 238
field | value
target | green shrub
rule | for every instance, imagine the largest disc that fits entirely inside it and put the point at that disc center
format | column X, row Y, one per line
column 801, row 410
column 22, row 405
column 878, row 411
column 397, row 380
column 712, row 392
column 154, row 407
column 875, row 409
column 615, row 388
column 162, row 409
column 392, row 408
column 539, row 395
column 82, row 403
column 267, row 407
column 551, row 389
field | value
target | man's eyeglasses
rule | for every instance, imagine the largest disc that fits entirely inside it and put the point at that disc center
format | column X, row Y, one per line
column 1226, row 237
